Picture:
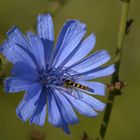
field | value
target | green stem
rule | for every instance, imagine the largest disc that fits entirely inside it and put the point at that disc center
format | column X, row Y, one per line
column 115, row 76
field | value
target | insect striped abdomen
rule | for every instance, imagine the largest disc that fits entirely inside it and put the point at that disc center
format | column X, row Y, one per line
column 71, row 83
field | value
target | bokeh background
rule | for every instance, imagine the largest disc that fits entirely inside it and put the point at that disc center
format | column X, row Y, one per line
column 102, row 18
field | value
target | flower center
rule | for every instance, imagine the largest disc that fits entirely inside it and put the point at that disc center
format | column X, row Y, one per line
column 51, row 78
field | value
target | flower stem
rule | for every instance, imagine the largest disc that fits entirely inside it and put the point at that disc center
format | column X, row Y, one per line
column 115, row 76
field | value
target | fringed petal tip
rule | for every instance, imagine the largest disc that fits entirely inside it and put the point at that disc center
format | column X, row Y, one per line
column 75, row 21
column 66, row 129
column 35, row 122
column 104, row 106
column 113, row 68
column 12, row 30
column 41, row 17
column 7, row 85
column 4, row 46
column 19, row 115
column 45, row 28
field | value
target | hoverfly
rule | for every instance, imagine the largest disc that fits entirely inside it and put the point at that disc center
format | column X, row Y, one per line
column 70, row 84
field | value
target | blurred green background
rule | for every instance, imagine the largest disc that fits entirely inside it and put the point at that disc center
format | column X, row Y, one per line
column 102, row 18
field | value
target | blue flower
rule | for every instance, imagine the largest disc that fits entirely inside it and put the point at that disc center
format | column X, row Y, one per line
column 56, row 80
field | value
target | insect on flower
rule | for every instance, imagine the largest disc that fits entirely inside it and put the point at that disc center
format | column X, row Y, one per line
column 56, row 80
column 71, row 84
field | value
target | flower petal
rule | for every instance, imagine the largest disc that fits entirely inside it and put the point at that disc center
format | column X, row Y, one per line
column 93, row 61
column 98, row 73
column 24, row 71
column 80, row 106
column 87, row 45
column 46, row 32
column 94, row 103
column 65, row 108
column 65, row 128
column 98, row 88
column 72, row 33
column 15, row 84
column 39, row 115
column 15, row 54
column 54, row 115
column 45, row 27
column 27, row 106
column 16, row 36
column 37, row 49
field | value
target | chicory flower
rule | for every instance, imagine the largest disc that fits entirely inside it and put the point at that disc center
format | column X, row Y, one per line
column 56, row 80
